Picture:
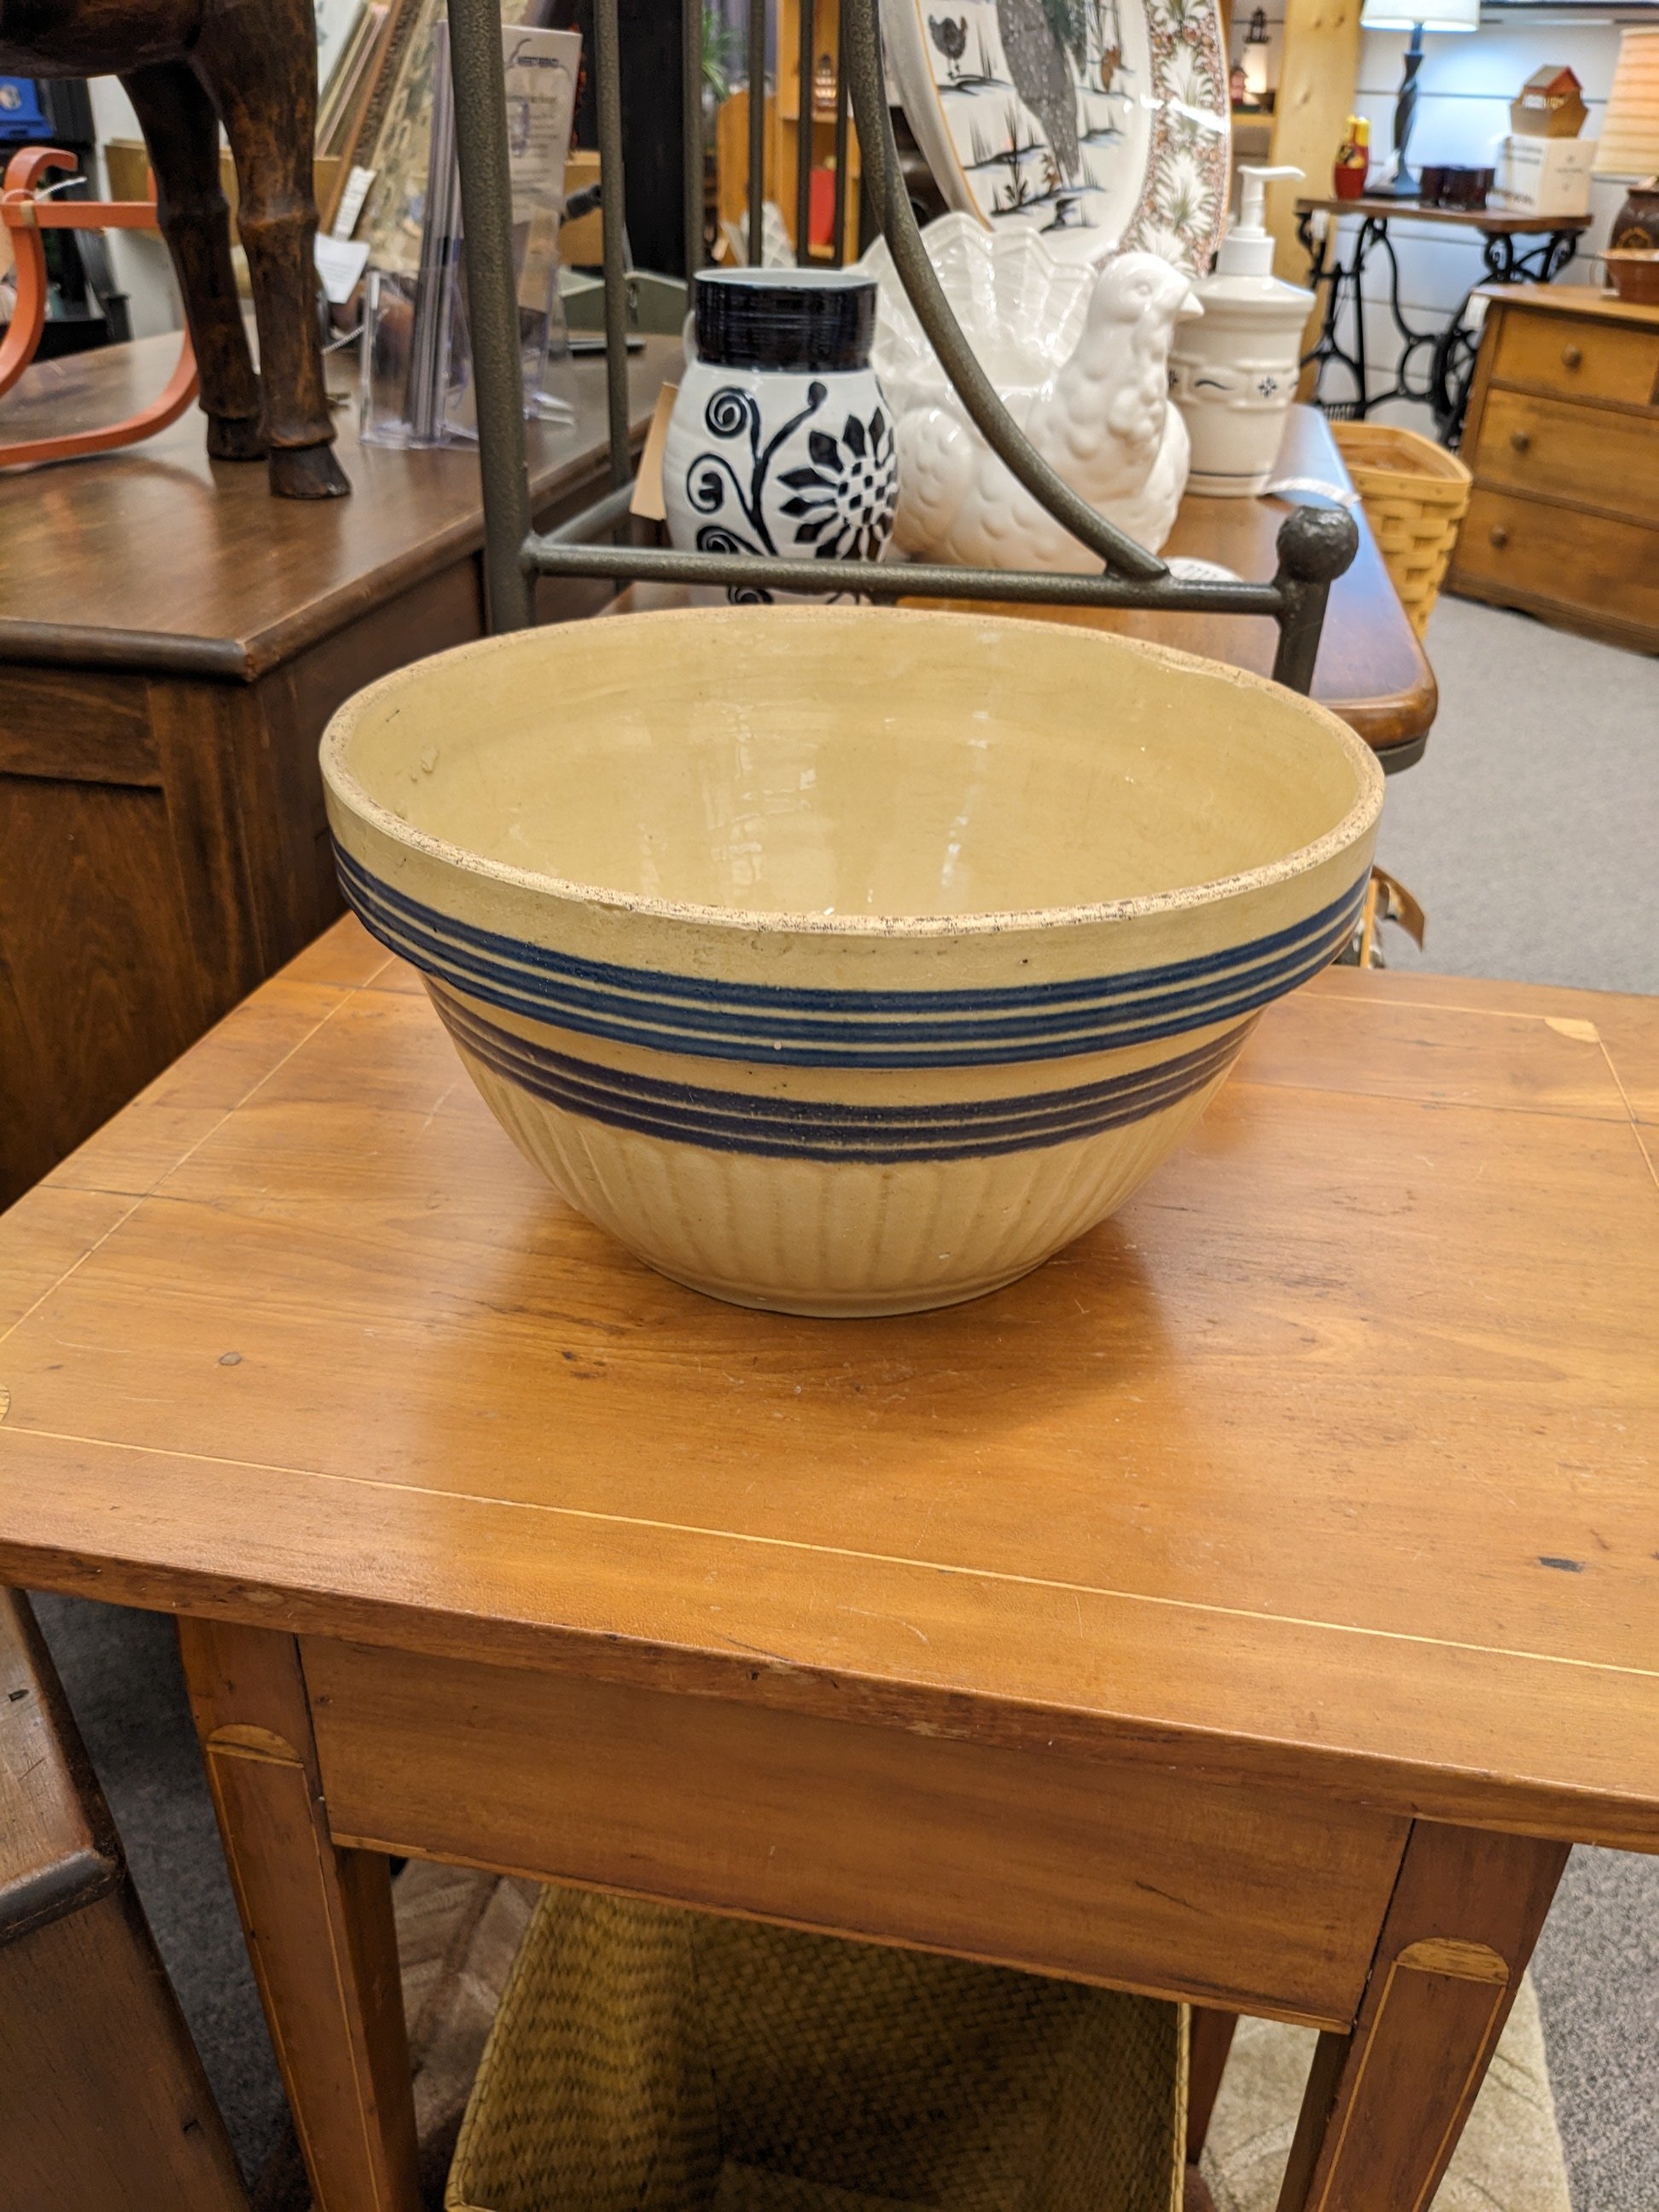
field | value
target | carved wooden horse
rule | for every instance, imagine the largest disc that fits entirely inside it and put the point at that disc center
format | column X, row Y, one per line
column 185, row 64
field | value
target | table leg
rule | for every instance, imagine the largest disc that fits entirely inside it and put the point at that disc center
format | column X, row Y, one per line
column 1386, row 2103
column 1211, row 2039
column 318, row 1921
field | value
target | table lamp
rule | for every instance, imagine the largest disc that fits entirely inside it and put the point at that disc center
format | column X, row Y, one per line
column 1629, row 145
column 1415, row 16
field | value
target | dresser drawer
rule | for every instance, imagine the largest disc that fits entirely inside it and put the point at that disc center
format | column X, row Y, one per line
column 1579, row 359
column 1591, row 455
column 1136, row 1875
column 1548, row 554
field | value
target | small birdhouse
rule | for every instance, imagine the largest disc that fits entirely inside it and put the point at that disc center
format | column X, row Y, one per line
column 1551, row 106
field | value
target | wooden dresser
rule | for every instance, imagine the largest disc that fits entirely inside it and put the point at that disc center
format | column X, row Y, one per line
column 1563, row 436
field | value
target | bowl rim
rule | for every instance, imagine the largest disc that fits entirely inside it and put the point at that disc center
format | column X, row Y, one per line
column 1305, row 859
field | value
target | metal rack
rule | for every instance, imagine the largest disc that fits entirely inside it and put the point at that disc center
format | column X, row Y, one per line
column 1315, row 545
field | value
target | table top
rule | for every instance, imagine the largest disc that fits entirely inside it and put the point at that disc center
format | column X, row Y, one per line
column 1573, row 299
column 1487, row 219
column 154, row 557
column 1329, row 1461
column 1372, row 669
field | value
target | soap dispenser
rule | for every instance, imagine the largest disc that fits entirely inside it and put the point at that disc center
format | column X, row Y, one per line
column 1233, row 373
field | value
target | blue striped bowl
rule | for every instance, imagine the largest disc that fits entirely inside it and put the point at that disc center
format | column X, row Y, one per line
column 846, row 961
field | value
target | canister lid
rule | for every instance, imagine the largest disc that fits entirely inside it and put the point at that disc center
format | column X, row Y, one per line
column 785, row 318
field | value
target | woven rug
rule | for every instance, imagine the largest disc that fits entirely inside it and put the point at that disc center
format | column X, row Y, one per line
column 1509, row 2159
column 458, row 1932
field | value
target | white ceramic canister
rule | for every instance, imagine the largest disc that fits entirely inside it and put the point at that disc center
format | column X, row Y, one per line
column 1233, row 374
column 781, row 441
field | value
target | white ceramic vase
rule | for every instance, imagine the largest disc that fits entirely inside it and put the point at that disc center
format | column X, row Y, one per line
column 781, row 441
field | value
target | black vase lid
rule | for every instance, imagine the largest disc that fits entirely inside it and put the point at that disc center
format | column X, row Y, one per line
column 805, row 319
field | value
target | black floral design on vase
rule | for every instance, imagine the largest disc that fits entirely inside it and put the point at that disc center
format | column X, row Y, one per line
column 856, row 490
column 850, row 491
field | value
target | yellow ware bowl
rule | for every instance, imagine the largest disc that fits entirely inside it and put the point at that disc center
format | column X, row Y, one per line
column 839, row 960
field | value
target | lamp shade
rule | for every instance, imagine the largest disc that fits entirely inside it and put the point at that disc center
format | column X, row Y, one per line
column 1629, row 145
column 1432, row 15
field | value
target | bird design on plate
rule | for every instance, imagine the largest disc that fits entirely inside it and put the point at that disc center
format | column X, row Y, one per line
column 950, row 37
column 1041, row 38
column 1096, row 122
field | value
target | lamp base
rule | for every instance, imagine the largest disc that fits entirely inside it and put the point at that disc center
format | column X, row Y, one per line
column 1404, row 184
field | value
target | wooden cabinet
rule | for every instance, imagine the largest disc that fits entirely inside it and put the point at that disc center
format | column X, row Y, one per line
column 1563, row 436
column 104, row 2106
column 172, row 641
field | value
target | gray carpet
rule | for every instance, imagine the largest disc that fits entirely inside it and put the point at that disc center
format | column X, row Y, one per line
column 1530, row 830
column 1528, row 834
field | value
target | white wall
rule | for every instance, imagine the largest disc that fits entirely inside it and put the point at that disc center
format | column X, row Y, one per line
column 140, row 260
column 1465, row 88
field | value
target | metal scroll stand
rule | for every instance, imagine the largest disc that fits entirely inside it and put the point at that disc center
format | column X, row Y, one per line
column 1315, row 546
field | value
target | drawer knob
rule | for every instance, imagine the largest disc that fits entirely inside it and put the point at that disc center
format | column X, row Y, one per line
column 1498, row 535
column 1571, row 357
column 1521, row 439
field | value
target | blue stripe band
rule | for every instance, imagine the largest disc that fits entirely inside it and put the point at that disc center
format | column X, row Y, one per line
column 830, row 1129
column 714, row 1019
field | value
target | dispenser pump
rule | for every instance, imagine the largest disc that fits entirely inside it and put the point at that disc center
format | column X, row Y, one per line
column 1248, row 248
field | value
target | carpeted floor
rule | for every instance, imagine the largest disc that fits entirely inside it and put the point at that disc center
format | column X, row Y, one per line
column 1529, row 829
column 1529, row 832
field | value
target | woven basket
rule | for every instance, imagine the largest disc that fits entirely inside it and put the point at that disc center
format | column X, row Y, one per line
column 646, row 2059
column 1414, row 494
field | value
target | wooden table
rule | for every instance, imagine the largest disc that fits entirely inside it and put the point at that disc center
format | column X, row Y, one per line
column 1372, row 670
column 1507, row 260
column 172, row 641
column 1249, row 1606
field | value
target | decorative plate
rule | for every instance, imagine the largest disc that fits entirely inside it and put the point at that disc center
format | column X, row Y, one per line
column 1099, row 123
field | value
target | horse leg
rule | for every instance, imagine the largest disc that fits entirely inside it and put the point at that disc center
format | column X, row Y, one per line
column 182, row 133
column 259, row 64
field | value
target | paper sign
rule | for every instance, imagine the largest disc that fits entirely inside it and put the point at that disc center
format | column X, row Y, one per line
column 340, row 264
column 647, row 500
column 351, row 200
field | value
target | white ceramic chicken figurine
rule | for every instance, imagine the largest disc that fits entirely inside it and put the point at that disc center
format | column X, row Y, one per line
column 1080, row 357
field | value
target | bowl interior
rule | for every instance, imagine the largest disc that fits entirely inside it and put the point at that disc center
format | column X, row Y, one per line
column 850, row 763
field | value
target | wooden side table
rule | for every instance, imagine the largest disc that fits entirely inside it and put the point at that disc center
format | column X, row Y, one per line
column 172, row 641
column 1250, row 1605
column 1451, row 349
column 1564, row 440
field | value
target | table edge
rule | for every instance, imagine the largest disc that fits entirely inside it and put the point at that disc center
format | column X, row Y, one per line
column 1493, row 219
column 1376, row 1781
